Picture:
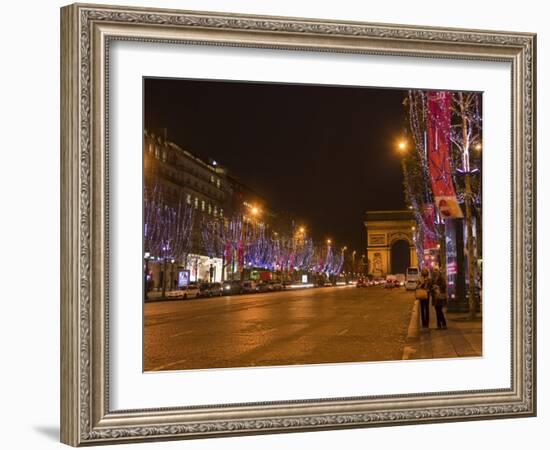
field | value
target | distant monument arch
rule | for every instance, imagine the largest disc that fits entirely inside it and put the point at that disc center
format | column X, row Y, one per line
column 390, row 243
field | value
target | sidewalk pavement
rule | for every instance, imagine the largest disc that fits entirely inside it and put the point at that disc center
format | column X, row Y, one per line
column 462, row 338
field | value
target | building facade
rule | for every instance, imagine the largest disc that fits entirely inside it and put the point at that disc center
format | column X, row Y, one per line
column 206, row 191
column 191, row 183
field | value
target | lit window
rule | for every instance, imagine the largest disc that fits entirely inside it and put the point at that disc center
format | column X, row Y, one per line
column 215, row 211
column 203, row 204
column 209, row 208
column 218, row 183
column 196, row 202
column 211, row 178
column 188, row 199
column 221, row 212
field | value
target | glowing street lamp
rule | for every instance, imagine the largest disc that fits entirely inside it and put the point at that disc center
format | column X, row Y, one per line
column 402, row 146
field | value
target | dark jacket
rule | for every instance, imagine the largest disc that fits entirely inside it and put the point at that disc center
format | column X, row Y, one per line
column 439, row 290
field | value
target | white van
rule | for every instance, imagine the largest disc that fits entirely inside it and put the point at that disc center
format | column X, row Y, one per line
column 411, row 278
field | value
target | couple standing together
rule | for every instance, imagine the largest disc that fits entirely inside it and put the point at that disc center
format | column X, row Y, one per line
column 435, row 289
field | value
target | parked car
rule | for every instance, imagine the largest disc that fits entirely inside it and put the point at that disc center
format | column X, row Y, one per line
column 249, row 286
column 184, row 292
column 232, row 287
column 204, row 290
column 174, row 295
column 190, row 291
column 216, row 289
column 361, row 282
column 276, row 285
column 262, row 286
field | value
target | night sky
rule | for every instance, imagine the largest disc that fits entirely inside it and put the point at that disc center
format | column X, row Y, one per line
column 324, row 154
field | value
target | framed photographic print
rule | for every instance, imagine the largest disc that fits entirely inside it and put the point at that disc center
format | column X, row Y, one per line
column 275, row 225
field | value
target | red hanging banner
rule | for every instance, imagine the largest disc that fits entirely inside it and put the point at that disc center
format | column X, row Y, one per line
column 429, row 240
column 439, row 154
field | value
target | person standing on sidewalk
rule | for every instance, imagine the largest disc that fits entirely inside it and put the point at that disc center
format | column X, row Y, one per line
column 439, row 297
column 422, row 293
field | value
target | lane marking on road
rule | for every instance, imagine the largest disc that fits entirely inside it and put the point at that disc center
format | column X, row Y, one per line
column 166, row 366
column 344, row 331
column 182, row 333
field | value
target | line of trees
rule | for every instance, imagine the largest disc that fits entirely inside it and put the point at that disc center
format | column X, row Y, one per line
column 238, row 240
column 465, row 160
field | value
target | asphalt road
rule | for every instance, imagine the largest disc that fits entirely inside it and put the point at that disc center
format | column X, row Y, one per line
column 310, row 326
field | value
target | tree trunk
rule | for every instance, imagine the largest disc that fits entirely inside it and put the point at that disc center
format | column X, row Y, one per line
column 472, row 301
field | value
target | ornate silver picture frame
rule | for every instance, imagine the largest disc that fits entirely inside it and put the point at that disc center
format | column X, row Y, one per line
column 87, row 32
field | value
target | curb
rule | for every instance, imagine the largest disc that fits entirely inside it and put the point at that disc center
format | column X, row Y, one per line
column 413, row 334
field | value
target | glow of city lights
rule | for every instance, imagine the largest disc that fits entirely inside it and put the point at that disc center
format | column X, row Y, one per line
column 302, row 229
column 255, row 210
column 477, row 147
column 329, row 241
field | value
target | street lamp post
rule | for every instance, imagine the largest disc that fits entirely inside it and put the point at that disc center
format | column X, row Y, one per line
column 344, row 248
column 164, row 249
column 173, row 274
column 146, row 256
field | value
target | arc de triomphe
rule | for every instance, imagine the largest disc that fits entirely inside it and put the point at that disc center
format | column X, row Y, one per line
column 390, row 233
